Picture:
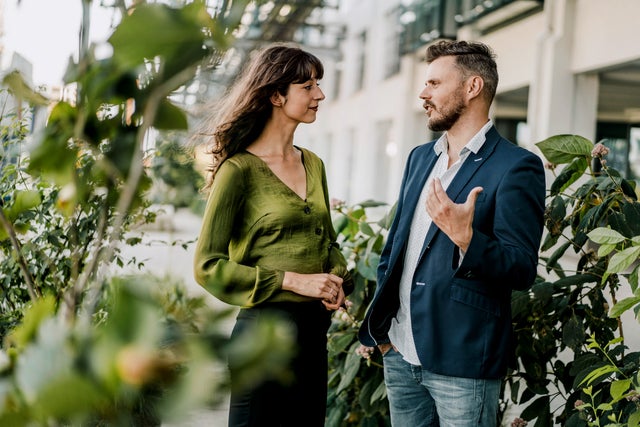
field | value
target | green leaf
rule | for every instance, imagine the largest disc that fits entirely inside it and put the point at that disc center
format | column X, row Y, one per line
column 623, row 259
column 623, row 305
column 536, row 408
column 618, row 388
column 350, row 370
column 338, row 343
column 557, row 254
column 170, row 117
column 24, row 201
column 631, row 212
column 380, row 392
column 53, row 156
column 21, row 90
column 569, row 174
column 576, row 280
column 605, row 236
column 40, row 310
column 599, row 372
column 634, row 419
column 154, row 30
column 633, row 278
column 605, row 250
column 562, row 149
column 366, row 229
column 371, row 203
column 573, row 333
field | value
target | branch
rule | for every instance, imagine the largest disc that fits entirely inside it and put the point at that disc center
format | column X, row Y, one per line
column 135, row 172
column 33, row 290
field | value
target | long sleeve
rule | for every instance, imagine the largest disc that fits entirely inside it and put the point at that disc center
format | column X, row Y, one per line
column 507, row 252
column 229, row 281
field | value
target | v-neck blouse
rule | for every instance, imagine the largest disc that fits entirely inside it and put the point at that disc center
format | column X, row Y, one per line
column 255, row 228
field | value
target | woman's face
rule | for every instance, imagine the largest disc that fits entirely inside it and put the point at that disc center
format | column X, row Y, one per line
column 302, row 100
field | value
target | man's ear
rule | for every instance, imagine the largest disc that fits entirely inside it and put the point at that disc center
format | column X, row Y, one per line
column 474, row 86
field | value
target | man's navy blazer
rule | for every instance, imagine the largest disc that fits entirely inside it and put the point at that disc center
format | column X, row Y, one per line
column 461, row 312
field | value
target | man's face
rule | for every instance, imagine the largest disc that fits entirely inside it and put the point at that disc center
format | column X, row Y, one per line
column 443, row 94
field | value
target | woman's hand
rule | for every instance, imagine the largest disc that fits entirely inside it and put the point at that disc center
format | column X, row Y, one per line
column 324, row 286
column 337, row 304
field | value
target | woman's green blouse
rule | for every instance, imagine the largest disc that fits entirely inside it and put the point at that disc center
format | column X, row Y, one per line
column 255, row 228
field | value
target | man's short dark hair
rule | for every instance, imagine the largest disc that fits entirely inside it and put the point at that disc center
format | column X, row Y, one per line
column 473, row 58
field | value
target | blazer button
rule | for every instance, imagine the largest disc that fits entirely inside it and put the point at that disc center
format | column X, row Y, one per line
column 307, row 210
column 318, row 231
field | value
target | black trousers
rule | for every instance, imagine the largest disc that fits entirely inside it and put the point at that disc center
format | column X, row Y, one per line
column 301, row 402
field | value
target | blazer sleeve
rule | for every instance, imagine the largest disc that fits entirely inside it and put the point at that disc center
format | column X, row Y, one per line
column 507, row 253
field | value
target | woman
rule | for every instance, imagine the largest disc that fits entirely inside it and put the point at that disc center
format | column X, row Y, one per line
column 267, row 243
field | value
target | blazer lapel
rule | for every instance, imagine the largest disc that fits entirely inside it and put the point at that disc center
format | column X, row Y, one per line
column 415, row 184
column 466, row 172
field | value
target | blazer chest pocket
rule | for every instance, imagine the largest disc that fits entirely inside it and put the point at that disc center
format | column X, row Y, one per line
column 465, row 294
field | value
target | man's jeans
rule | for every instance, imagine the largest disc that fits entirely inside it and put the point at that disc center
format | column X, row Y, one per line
column 419, row 398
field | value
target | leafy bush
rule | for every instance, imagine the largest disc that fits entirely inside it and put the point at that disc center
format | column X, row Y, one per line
column 357, row 395
column 81, row 347
column 573, row 368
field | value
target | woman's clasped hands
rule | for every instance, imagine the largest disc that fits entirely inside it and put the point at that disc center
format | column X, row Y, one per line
column 324, row 286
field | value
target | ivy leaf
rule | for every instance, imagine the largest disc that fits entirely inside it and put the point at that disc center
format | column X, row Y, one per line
column 561, row 149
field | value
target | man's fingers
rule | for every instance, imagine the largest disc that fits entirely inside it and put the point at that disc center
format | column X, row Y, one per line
column 439, row 192
column 473, row 195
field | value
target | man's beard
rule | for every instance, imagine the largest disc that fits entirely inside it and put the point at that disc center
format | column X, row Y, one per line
column 449, row 115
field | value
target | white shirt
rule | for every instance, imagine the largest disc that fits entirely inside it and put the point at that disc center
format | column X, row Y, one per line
column 400, row 333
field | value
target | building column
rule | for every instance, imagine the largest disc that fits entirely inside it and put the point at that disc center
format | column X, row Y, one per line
column 559, row 102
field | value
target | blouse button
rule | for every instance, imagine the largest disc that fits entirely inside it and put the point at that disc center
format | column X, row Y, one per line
column 318, row 231
column 307, row 210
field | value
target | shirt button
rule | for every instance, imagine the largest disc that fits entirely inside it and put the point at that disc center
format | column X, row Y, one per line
column 318, row 231
column 307, row 210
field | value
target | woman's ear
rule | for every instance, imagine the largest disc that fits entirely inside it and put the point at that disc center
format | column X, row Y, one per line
column 277, row 100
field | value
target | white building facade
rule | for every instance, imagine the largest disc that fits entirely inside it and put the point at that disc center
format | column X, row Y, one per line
column 566, row 67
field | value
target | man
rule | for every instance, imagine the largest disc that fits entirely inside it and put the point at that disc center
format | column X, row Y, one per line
column 466, row 232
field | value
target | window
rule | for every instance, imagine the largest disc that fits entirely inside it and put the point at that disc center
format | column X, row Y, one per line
column 361, row 61
column 392, row 44
column 623, row 142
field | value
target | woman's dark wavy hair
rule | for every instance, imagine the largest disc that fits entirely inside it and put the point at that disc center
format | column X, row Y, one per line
column 244, row 110
column 472, row 58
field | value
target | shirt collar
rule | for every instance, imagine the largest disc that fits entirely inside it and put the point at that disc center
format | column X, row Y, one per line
column 474, row 144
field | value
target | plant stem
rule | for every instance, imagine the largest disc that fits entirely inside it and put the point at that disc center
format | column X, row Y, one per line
column 34, row 292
